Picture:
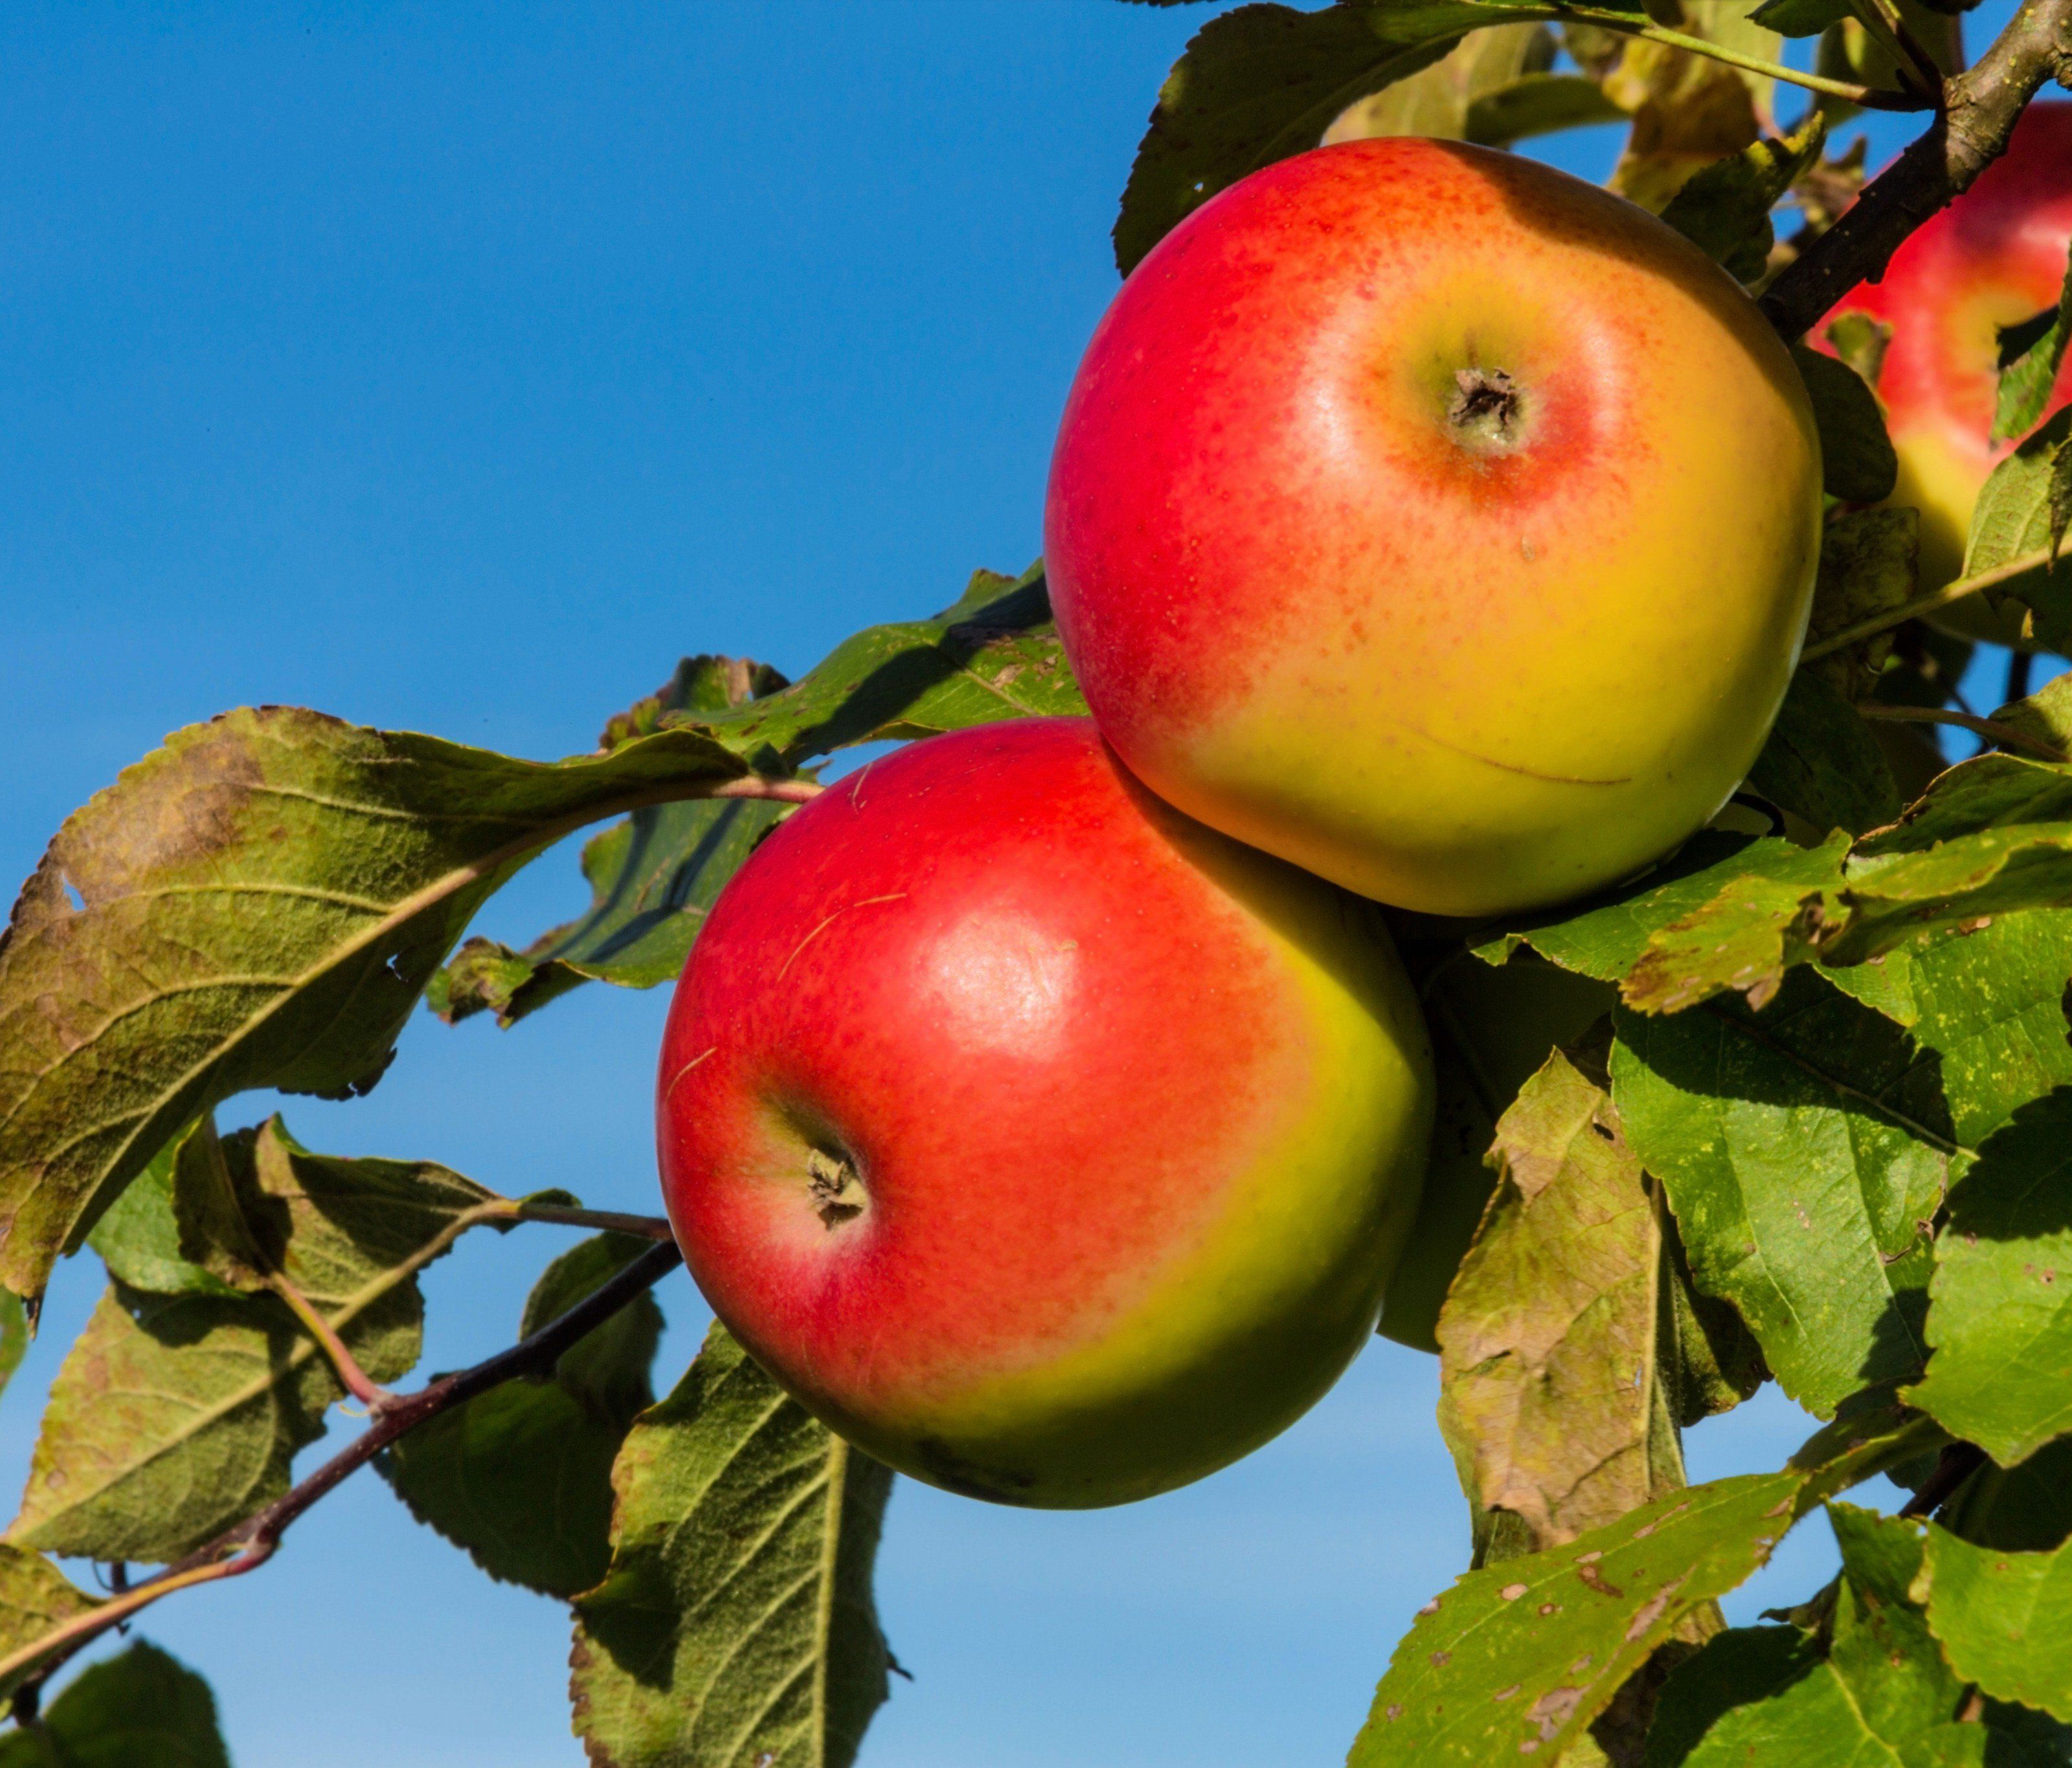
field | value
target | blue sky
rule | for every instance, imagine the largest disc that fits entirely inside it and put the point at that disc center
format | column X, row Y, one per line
column 458, row 368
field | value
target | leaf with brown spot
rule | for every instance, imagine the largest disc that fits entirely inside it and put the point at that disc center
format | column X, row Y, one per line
column 1744, row 939
column 1865, row 1683
column 176, row 1415
column 1492, row 1027
column 1800, row 1148
column 1552, row 1396
column 261, row 902
column 1568, row 1665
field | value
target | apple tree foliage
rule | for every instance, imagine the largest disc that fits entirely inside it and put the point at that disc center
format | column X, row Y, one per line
column 1795, row 1105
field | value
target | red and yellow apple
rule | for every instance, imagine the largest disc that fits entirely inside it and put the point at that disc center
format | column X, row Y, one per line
column 1993, row 258
column 1436, row 521
column 1051, row 1147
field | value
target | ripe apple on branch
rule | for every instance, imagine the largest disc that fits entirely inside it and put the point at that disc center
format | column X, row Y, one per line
column 1417, row 853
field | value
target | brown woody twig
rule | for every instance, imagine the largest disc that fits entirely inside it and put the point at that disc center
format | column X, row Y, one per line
column 1981, row 108
column 250, row 1543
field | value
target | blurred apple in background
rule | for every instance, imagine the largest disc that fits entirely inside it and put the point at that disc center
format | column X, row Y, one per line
column 1993, row 258
column 1049, row 1146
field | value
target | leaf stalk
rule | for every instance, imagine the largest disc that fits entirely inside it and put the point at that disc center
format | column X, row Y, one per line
column 247, row 1545
column 1869, row 97
column 2007, row 736
column 2041, row 559
column 651, row 1227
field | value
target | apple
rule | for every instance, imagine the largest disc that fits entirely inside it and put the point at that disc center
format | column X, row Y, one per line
column 1049, row 1146
column 1437, row 521
column 1993, row 258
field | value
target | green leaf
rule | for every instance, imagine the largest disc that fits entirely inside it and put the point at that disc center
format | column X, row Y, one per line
column 1518, row 1659
column 1494, row 87
column 520, row 1477
column 2026, row 1508
column 1435, row 103
column 1261, row 83
column 143, row 1708
column 1989, row 1001
column 36, row 1597
column 2003, row 1618
column 1746, row 938
column 1538, row 103
column 1881, row 1692
column 1800, row 18
column 1607, row 938
column 1803, row 1149
column 1986, row 792
column 1689, row 110
column 1891, row 897
column 1859, row 340
column 1858, row 464
column 994, row 655
column 260, row 902
column 1735, row 1669
column 138, row 1238
column 1821, row 761
column 653, row 877
column 703, row 683
column 334, row 1227
column 174, row 1415
column 2022, row 509
column 2028, row 374
column 1724, row 209
column 1492, row 1028
column 1870, row 567
column 2001, row 1322
column 14, row 1335
column 736, row 1626
column 1556, row 1392
column 2045, row 715
column 171, row 1418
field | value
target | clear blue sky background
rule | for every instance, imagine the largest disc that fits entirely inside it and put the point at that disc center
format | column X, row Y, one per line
column 457, row 367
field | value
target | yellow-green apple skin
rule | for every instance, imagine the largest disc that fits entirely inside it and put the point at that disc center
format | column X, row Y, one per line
column 1051, row 1147
column 1437, row 522
column 1993, row 258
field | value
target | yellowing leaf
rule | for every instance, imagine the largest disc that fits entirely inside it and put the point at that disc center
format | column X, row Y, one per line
column 736, row 1626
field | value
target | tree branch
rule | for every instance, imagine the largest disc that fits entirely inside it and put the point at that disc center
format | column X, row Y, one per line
column 250, row 1543
column 1982, row 106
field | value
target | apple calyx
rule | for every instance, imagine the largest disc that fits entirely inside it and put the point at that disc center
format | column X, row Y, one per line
column 832, row 1183
column 1487, row 410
